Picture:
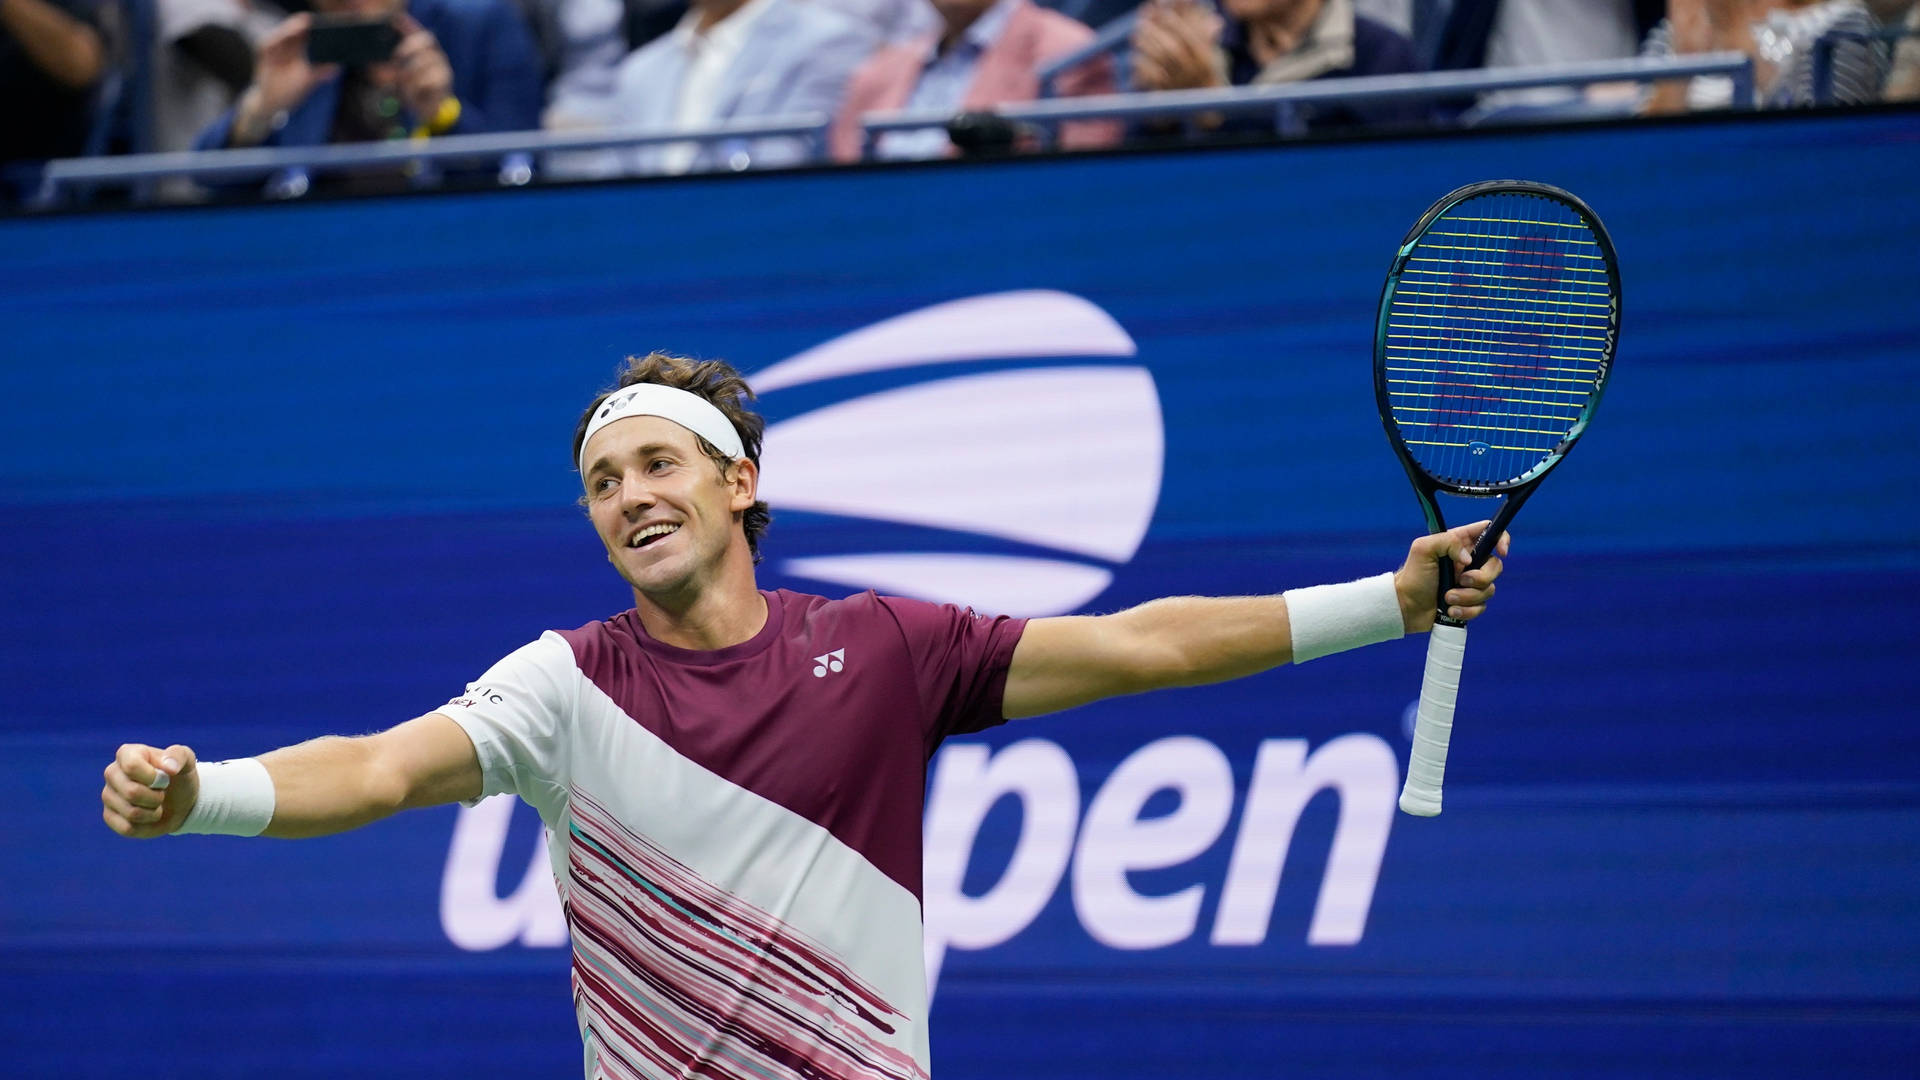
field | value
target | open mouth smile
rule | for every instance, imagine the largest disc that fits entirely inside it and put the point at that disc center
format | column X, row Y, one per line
column 650, row 534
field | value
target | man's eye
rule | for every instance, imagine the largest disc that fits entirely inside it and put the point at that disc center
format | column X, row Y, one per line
column 656, row 464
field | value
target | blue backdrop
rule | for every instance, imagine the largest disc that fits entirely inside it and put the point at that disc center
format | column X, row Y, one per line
column 281, row 471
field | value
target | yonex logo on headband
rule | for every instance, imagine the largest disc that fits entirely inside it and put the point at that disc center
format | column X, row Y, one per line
column 690, row 411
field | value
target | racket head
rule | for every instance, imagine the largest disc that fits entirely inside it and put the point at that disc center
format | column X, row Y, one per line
column 1495, row 337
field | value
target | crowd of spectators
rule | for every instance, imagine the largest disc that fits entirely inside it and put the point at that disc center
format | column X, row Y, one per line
column 240, row 73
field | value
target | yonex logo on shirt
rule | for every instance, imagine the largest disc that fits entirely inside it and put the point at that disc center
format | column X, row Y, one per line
column 826, row 662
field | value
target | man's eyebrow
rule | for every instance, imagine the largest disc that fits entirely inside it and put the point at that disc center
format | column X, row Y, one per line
column 605, row 461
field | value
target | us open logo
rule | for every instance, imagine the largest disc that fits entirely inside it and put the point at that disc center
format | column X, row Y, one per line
column 1030, row 485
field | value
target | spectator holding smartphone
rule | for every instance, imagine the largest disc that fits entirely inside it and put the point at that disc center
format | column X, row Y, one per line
column 455, row 67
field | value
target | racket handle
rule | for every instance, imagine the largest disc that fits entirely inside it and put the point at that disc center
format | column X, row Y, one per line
column 1433, row 727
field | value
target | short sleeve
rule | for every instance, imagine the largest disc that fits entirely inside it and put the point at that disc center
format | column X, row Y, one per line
column 518, row 714
column 960, row 662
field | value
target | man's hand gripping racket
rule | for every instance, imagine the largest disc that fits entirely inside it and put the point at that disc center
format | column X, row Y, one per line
column 1495, row 338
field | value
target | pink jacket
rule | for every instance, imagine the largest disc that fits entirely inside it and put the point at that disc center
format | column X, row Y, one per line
column 1007, row 73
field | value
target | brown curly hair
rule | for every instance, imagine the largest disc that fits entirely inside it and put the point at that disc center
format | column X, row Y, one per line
column 719, row 383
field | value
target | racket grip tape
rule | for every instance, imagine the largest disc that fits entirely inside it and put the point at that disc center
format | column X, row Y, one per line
column 1433, row 725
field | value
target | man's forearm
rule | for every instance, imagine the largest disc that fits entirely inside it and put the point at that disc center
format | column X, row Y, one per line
column 329, row 785
column 1195, row 640
column 1191, row 641
column 65, row 48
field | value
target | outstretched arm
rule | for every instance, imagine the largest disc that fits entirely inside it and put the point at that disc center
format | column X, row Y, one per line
column 1192, row 640
column 323, row 786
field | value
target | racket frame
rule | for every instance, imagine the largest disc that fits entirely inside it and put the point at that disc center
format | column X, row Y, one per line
column 1519, row 488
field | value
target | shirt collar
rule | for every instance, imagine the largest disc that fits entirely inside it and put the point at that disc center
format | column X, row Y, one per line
column 728, row 32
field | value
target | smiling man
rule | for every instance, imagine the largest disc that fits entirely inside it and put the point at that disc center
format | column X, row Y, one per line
column 731, row 777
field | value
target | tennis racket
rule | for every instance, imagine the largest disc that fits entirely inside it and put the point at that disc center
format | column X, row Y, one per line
column 1495, row 338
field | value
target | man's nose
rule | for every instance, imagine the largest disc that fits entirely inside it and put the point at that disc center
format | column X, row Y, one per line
column 635, row 494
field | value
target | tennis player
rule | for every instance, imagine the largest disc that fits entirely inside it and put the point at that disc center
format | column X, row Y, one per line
column 731, row 777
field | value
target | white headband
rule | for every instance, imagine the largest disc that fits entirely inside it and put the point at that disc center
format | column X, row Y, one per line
column 690, row 411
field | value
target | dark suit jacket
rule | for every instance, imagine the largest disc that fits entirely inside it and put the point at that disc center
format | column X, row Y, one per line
column 1378, row 49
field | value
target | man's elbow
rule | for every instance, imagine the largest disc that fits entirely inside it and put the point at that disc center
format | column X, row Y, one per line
column 1149, row 662
column 386, row 786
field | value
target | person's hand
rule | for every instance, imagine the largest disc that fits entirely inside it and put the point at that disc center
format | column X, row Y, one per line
column 282, row 79
column 1692, row 26
column 1712, row 25
column 1174, row 46
column 130, row 803
column 424, row 77
column 1418, row 581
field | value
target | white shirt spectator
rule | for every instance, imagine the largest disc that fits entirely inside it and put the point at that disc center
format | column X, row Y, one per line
column 1541, row 33
column 709, row 55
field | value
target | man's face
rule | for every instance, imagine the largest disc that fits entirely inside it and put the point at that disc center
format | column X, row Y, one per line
column 662, row 507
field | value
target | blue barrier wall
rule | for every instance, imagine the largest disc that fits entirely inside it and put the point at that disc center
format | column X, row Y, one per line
column 281, row 471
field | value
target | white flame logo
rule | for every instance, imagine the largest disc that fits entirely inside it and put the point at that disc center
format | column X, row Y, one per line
column 1067, row 458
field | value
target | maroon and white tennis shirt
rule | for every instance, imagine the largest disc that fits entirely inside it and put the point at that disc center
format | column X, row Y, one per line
column 735, row 833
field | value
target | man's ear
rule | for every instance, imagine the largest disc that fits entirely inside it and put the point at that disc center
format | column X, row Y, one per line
column 743, row 476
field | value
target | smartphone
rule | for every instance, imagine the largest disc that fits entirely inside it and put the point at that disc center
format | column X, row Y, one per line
column 350, row 42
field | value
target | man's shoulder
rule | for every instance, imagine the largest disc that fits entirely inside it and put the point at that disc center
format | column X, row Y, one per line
column 864, row 609
column 598, row 639
column 885, row 66
column 639, row 63
column 797, row 22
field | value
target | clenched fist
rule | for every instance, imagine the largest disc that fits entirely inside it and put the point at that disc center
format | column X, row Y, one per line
column 149, row 791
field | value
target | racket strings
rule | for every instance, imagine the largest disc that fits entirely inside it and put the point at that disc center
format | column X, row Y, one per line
column 1496, row 337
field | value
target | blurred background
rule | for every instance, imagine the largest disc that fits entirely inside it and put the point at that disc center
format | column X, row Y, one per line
column 292, row 460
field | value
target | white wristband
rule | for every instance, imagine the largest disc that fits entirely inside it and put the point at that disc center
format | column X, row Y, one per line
column 236, row 799
column 1327, row 619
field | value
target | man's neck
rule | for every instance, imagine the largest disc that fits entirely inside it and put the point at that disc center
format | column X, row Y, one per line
column 1270, row 40
column 726, row 611
column 957, row 28
column 713, row 11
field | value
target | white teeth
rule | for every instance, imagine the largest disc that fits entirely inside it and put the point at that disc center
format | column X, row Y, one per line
column 643, row 535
